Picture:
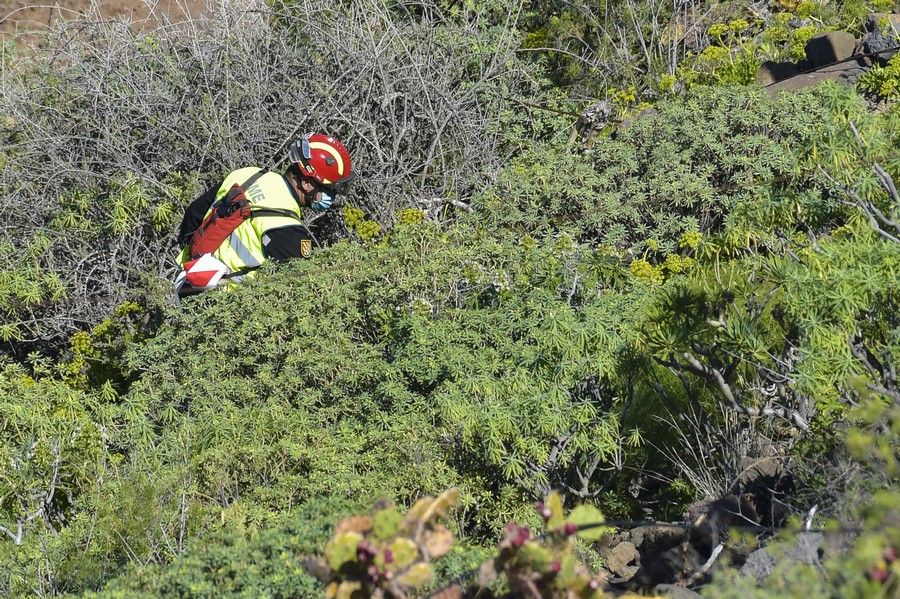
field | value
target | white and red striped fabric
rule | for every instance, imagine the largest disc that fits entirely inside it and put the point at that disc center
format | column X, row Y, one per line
column 203, row 273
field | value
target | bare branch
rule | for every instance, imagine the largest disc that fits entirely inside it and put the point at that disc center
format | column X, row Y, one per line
column 715, row 375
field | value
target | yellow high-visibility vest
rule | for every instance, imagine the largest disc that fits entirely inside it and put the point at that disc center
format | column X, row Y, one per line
column 243, row 249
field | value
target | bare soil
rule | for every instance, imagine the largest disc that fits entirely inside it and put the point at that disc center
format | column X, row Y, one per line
column 25, row 20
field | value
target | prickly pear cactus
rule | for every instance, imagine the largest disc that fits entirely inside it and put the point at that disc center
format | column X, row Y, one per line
column 546, row 566
column 386, row 554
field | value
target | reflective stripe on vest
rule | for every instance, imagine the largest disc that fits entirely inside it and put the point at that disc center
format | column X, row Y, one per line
column 244, row 247
column 242, row 252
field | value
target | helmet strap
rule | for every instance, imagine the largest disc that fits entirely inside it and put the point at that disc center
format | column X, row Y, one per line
column 294, row 176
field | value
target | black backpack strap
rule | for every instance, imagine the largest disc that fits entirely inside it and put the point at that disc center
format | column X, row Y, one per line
column 275, row 212
column 253, row 179
column 268, row 211
column 244, row 186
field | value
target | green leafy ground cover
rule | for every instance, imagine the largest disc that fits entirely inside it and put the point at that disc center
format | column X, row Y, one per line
column 627, row 323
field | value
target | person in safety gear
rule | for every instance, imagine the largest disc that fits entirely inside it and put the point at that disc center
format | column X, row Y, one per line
column 255, row 215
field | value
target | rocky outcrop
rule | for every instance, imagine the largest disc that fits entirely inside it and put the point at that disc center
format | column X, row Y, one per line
column 772, row 72
column 827, row 48
column 882, row 35
column 681, row 555
column 673, row 591
column 621, row 560
column 804, row 549
column 835, row 56
column 848, row 73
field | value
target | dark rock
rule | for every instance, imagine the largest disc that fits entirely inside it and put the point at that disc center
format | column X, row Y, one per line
column 769, row 485
column 637, row 535
column 847, row 72
column 650, row 95
column 760, row 565
column 881, row 21
column 656, row 539
column 883, row 36
column 804, row 549
column 771, row 72
column 671, row 566
column 839, row 543
column 673, row 591
column 597, row 115
column 807, row 549
column 733, row 510
column 753, row 469
column 826, row 48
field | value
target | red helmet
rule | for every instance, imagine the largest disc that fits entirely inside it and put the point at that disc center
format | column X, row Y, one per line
column 322, row 158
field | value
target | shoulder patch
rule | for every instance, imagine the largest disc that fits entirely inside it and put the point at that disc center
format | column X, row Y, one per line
column 306, row 248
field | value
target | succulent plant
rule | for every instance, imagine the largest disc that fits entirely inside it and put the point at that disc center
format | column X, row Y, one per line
column 546, row 566
column 386, row 555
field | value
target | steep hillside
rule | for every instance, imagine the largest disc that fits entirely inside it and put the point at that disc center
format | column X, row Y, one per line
column 682, row 326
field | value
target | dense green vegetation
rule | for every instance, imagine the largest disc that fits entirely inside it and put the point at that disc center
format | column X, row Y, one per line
column 629, row 321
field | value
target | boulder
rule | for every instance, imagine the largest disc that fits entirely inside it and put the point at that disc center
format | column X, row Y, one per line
column 827, row 48
column 720, row 514
column 804, row 549
column 772, row 72
column 669, row 567
column 847, row 72
column 839, row 542
column 620, row 560
column 673, row 591
column 769, row 484
column 655, row 538
column 883, row 36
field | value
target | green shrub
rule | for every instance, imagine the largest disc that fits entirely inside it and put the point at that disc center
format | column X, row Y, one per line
column 883, row 81
column 683, row 169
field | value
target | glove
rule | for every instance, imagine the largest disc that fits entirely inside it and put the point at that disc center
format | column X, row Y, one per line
column 322, row 203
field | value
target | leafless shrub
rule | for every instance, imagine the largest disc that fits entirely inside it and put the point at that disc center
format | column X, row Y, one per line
column 124, row 112
column 618, row 41
column 713, row 456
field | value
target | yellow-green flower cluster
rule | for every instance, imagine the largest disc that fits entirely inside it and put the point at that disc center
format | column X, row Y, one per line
column 127, row 308
column 410, row 216
column 717, row 30
column 805, row 9
column 713, row 54
column 353, row 216
column 368, row 230
column 676, row 264
column 720, row 30
column 690, row 240
column 645, row 271
column 73, row 371
column 84, row 344
column 799, row 39
column 666, row 83
column 883, row 81
column 356, row 222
